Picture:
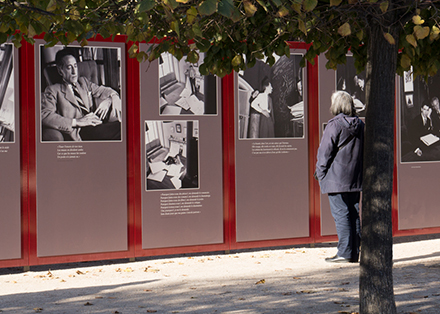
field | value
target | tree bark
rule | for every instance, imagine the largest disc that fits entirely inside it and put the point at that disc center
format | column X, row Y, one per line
column 376, row 277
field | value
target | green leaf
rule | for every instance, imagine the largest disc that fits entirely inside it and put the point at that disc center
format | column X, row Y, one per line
column 249, row 8
column 227, row 9
column 334, row 3
column 277, row 2
column 309, row 5
column 51, row 6
column 196, row 29
column 192, row 56
column 174, row 25
column 390, row 38
column 182, row 1
column 302, row 26
column 172, row 4
column 360, row 34
column 146, row 5
column 208, row 7
column 412, row 40
column 421, row 32
column 384, row 6
column 344, row 30
column 191, row 14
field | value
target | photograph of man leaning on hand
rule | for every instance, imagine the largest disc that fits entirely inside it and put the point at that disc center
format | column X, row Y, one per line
column 80, row 98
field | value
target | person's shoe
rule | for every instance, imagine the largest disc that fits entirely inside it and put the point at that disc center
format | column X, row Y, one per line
column 337, row 259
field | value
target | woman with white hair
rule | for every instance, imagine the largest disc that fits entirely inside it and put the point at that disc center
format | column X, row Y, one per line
column 339, row 171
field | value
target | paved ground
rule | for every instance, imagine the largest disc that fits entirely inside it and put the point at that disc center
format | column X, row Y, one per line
column 287, row 280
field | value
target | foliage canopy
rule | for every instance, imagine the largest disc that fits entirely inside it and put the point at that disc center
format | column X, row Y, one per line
column 234, row 34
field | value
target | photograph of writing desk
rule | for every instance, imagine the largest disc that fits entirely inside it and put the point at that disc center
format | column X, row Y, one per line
column 172, row 155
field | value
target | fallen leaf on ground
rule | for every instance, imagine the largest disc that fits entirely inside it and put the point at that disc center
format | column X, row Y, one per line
column 37, row 309
column 260, row 281
column 307, row 291
column 420, row 296
column 79, row 272
column 88, row 303
column 151, row 270
column 49, row 274
column 128, row 270
column 241, row 299
column 287, row 293
column 151, row 311
column 296, row 277
column 99, row 297
column 147, row 290
column 118, row 270
column 344, row 283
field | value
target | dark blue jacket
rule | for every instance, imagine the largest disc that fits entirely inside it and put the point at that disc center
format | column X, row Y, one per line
column 339, row 164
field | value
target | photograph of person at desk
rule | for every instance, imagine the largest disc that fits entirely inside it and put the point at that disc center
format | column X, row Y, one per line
column 80, row 98
column 183, row 90
column 172, row 155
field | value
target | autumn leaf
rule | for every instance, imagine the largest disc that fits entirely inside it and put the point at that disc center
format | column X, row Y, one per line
column 421, row 32
column 334, row 3
column 389, row 38
column 260, row 281
column 88, row 303
column 38, row 309
column 128, row 270
column 309, row 5
column 412, row 40
column 79, row 272
column 384, row 6
column 249, row 8
column 435, row 31
column 344, row 30
column 418, row 20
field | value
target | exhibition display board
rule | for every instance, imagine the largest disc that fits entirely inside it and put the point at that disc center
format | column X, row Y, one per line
column 271, row 151
column 181, row 154
column 81, row 169
column 103, row 157
column 10, row 214
column 418, row 151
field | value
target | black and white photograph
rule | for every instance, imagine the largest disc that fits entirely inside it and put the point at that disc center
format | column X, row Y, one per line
column 271, row 101
column 183, row 90
column 420, row 119
column 353, row 83
column 7, row 106
column 80, row 93
column 172, row 154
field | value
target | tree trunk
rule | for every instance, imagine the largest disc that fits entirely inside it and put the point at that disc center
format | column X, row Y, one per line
column 376, row 276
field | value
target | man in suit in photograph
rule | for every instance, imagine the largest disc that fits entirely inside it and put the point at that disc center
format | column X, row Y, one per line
column 68, row 112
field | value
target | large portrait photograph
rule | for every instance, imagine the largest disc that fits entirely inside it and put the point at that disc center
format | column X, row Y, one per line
column 183, row 90
column 80, row 94
column 271, row 101
column 172, row 155
column 7, row 103
column 419, row 118
column 353, row 83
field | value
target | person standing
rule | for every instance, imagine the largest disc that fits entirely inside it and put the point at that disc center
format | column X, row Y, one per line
column 339, row 172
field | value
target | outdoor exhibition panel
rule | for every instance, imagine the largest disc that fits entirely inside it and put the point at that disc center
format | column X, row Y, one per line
column 418, row 153
column 181, row 154
column 10, row 213
column 271, row 149
column 81, row 194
